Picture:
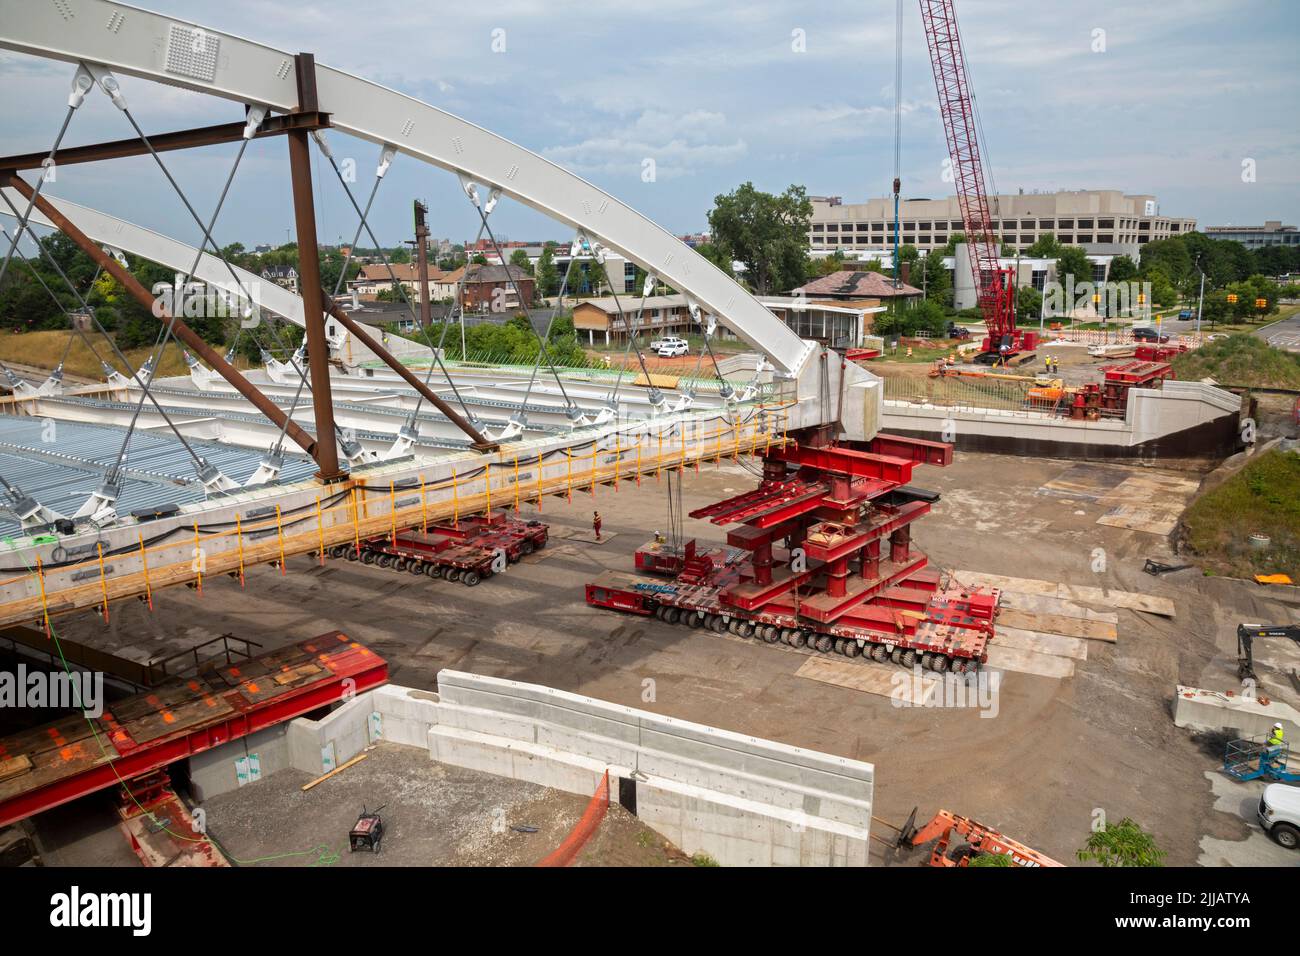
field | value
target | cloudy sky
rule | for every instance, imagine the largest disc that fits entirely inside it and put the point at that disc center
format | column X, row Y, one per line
column 1168, row 98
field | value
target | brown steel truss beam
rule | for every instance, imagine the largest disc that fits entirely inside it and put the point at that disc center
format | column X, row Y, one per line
column 164, row 142
column 182, row 331
column 480, row 442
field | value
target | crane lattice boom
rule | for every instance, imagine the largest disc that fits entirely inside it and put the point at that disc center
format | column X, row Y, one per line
column 995, row 285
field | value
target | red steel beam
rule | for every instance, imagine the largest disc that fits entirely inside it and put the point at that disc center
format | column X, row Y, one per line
column 846, row 461
column 917, row 450
column 154, row 755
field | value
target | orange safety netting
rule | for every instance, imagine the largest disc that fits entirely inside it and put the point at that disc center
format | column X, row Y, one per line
column 584, row 829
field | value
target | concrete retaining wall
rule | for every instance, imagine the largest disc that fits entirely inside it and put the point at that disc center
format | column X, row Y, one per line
column 742, row 800
column 1208, row 710
column 229, row 767
column 1180, row 420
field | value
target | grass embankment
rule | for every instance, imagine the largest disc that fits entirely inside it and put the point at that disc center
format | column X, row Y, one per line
column 1240, row 360
column 1263, row 497
column 44, row 349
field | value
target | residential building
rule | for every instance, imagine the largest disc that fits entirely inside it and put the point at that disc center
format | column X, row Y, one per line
column 492, row 288
column 1272, row 233
column 841, row 324
column 848, row 285
column 1102, row 221
column 284, row 276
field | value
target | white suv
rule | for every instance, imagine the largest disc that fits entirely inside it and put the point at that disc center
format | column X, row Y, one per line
column 671, row 346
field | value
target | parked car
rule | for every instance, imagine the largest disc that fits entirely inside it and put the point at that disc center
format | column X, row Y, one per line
column 1187, row 314
column 1148, row 334
column 670, row 347
column 956, row 331
column 1279, row 814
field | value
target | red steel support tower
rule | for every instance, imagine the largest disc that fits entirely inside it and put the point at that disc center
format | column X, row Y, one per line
column 995, row 285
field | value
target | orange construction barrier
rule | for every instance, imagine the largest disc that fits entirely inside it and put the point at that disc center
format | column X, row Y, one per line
column 584, row 829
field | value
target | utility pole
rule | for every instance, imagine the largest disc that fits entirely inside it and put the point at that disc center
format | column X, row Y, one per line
column 422, row 260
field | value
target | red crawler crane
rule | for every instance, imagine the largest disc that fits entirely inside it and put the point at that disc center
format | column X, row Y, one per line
column 995, row 285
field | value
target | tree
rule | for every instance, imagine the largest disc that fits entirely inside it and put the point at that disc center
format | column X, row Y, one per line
column 1073, row 261
column 717, row 255
column 1029, row 302
column 1162, row 290
column 1122, row 844
column 1172, row 258
column 936, row 280
column 548, row 277
column 768, row 233
column 479, row 259
column 520, row 258
column 1123, row 269
column 1046, row 246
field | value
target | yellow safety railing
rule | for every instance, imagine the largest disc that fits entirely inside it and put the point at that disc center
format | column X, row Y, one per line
column 347, row 518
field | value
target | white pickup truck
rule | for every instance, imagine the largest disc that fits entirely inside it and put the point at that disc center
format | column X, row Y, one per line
column 670, row 346
column 1279, row 814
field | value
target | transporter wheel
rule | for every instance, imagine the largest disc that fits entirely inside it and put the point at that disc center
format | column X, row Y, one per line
column 470, row 578
column 385, row 561
column 337, row 551
column 771, row 634
column 896, row 655
column 958, row 665
column 399, row 564
column 909, row 657
column 672, row 615
column 877, row 652
column 527, row 547
column 694, row 619
column 747, row 629
column 794, row 637
column 851, row 649
column 824, row 643
column 433, row 570
column 415, row 566
column 352, row 554
column 368, row 557
column 939, row 663
column 452, row 574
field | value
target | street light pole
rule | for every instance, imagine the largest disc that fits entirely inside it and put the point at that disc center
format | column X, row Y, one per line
column 1200, row 300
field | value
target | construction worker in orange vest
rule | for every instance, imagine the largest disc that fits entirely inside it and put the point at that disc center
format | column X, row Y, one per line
column 595, row 523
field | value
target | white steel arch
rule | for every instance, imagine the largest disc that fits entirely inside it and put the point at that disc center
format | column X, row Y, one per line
column 153, row 46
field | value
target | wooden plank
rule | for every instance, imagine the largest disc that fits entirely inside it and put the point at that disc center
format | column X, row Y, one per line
column 1057, row 645
column 15, row 766
column 1029, row 662
column 339, row 769
column 879, row 679
column 1057, row 624
column 1042, row 604
column 1070, row 592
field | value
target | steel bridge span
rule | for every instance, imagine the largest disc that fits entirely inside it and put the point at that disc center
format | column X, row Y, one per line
column 478, row 439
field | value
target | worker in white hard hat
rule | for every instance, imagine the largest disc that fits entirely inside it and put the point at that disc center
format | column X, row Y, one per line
column 1276, row 755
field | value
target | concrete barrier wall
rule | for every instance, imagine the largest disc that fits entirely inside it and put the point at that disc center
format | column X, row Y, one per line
column 1208, row 710
column 1180, row 420
column 743, row 800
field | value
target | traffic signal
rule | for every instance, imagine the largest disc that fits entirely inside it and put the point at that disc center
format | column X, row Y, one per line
column 1232, row 298
column 1261, row 304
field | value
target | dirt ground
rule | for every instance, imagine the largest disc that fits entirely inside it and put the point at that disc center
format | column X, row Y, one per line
column 434, row 815
column 1058, row 752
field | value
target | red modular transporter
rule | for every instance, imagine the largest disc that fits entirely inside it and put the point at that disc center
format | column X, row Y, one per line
column 819, row 555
